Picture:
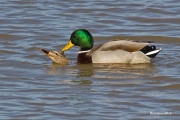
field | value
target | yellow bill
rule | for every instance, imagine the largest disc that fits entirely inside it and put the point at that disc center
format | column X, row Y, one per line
column 69, row 45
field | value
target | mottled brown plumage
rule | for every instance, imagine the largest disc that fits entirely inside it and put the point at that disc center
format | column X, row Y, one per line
column 57, row 57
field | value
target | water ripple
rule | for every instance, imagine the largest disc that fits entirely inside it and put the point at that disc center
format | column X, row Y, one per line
column 35, row 88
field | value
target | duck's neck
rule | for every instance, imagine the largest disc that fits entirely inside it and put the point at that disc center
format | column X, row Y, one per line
column 83, row 58
column 84, row 51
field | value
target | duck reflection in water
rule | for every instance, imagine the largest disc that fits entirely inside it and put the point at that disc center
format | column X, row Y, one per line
column 104, row 71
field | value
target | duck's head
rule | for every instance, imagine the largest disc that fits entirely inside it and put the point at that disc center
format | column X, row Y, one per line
column 57, row 57
column 82, row 38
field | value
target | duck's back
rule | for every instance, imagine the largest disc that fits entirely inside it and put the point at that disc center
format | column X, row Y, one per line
column 123, row 51
column 119, row 51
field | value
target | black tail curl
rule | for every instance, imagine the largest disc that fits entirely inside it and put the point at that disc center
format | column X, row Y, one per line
column 150, row 51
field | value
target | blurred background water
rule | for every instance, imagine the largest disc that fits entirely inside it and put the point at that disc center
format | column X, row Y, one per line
column 32, row 87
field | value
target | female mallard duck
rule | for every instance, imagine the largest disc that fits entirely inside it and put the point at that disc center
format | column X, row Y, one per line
column 55, row 56
column 117, row 51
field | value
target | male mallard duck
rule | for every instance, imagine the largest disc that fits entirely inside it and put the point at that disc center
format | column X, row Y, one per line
column 57, row 57
column 117, row 51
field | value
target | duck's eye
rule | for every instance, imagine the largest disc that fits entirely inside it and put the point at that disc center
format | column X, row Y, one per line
column 56, row 54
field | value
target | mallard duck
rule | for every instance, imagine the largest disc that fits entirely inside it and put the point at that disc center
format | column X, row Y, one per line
column 57, row 57
column 116, row 51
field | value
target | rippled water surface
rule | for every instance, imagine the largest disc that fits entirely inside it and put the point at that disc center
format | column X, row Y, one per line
column 32, row 87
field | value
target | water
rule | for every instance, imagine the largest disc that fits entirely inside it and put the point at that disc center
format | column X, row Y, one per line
column 32, row 87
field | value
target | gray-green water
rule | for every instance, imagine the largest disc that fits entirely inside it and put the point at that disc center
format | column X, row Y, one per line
column 32, row 87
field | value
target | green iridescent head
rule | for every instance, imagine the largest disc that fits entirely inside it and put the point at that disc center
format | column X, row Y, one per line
column 82, row 38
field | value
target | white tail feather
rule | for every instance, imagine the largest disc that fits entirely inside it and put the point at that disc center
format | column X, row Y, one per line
column 153, row 52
